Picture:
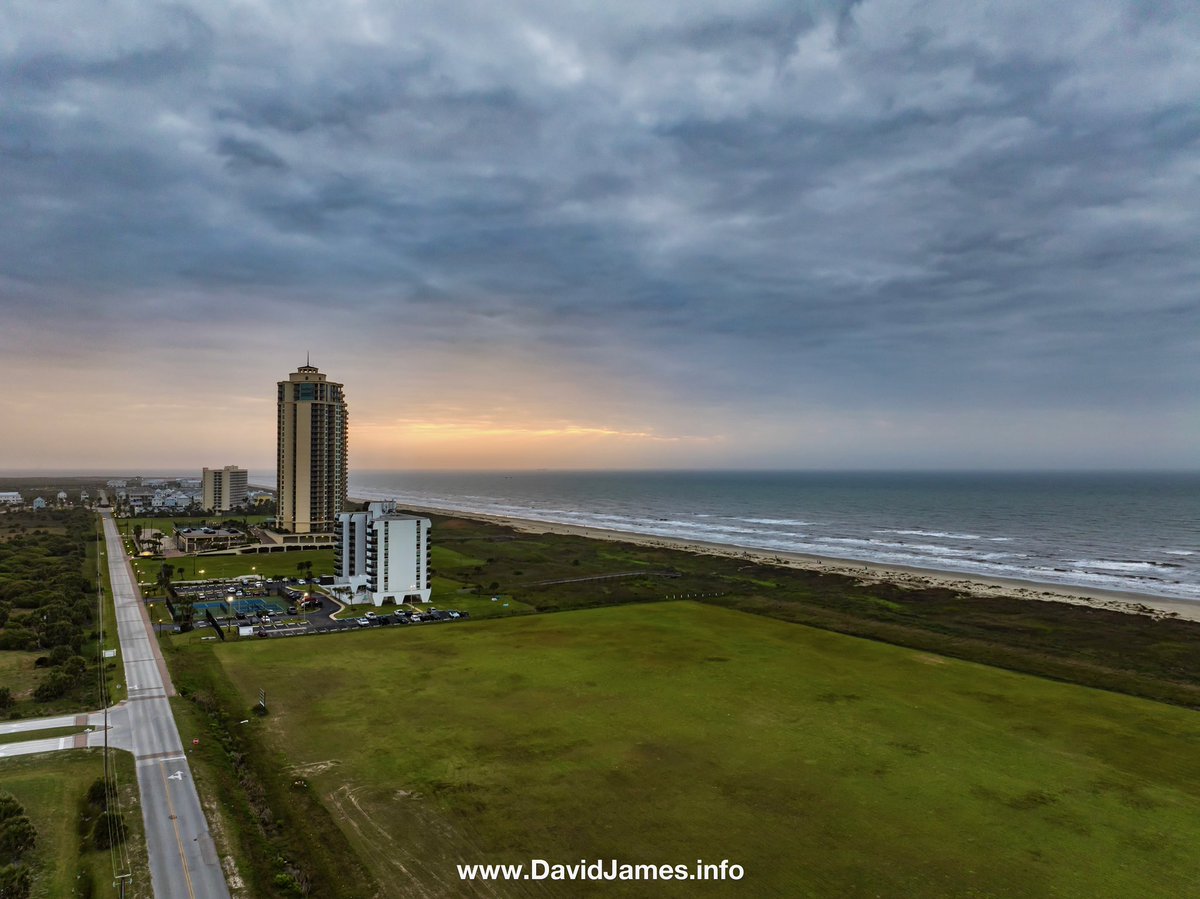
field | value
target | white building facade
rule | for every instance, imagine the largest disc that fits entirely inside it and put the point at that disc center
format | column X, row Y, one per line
column 223, row 489
column 383, row 554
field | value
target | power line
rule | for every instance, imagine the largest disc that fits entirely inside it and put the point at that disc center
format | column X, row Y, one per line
column 114, row 815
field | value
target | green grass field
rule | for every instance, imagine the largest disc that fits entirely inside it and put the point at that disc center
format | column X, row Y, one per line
column 665, row 733
column 166, row 522
column 1108, row 649
column 51, row 786
column 18, row 673
column 223, row 567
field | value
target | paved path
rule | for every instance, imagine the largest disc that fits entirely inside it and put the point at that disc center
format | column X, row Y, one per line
column 118, row 732
column 183, row 858
column 26, row 724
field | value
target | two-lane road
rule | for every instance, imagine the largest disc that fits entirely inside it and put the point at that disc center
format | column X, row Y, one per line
column 183, row 859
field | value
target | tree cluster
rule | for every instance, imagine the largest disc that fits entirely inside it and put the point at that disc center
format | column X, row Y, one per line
column 46, row 602
column 17, row 837
column 99, row 825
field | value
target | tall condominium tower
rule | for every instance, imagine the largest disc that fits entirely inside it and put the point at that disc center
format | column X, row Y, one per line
column 312, row 452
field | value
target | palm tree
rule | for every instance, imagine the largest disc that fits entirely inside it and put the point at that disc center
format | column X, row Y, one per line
column 164, row 576
column 306, row 567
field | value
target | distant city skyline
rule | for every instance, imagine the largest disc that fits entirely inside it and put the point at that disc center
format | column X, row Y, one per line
column 853, row 235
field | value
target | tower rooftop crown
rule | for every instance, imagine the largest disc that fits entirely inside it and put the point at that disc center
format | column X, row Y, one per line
column 306, row 373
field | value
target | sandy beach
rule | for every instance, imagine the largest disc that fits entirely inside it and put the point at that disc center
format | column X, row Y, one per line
column 868, row 572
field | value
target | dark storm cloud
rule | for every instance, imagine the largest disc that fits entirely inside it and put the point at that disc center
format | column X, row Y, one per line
column 247, row 155
column 921, row 205
column 178, row 39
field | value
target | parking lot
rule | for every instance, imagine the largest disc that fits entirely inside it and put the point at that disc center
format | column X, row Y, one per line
column 323, row 623
column 246, row 603
column 291, row 609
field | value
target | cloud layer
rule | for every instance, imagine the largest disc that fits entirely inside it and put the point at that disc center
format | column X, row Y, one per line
column 751, row 232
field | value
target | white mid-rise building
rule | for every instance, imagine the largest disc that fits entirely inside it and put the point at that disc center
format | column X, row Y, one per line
column 383, row 554
column 223, row 488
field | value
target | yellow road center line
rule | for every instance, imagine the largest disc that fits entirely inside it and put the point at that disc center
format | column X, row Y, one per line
column 187, row 875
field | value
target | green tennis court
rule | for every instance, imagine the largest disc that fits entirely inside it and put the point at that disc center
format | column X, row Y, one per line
column 250, row 606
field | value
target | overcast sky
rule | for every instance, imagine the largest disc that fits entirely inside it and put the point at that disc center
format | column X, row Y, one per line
column 621, row 234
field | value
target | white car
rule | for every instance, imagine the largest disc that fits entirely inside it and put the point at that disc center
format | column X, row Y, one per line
column 363, row 622
column 371, row 615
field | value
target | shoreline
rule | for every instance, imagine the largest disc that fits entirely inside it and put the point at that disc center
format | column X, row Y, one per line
column 863, row 572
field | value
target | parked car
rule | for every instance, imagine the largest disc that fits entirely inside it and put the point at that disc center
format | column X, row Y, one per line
column 400, row 619
column 264, row 619
column 372, row 615
column 291, row 610
column 363, row 622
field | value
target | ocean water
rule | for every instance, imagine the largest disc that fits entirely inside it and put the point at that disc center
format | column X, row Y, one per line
column 1130, row 532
